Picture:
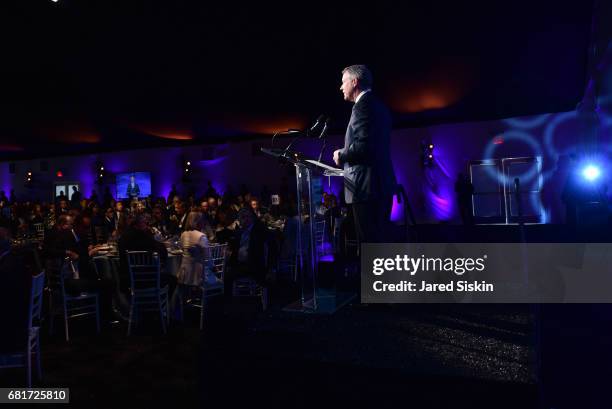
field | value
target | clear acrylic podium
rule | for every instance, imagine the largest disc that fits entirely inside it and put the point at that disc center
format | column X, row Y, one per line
column 313, row 299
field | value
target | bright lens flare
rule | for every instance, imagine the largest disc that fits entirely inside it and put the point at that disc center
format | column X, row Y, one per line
column 591, row 172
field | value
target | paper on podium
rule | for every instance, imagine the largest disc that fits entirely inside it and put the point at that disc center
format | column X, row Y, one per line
column 329, row 170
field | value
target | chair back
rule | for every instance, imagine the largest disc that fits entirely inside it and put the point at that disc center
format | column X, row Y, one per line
column 215, row 259
column 36, row 298
column 319, row 228
column 144, row 268
column 39, row 228
column 52, row 269
column 67, row 270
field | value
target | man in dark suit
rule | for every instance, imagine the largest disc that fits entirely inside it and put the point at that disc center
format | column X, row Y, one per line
column 369, row 180
column 119, row 216
column 133, row 190
column 177, row 221
column 248, row 254
column 63, row 241
column 138, row 237
column 75, row 198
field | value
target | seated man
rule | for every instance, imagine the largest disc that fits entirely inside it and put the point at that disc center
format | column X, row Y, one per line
column 138, row 237
column 178, row 219
column 248, row 248
column 63, row 242
column 159, row 225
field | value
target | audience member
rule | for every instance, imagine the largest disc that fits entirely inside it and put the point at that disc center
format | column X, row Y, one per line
column 248, row 246
column 178, row 219
column 14, row 297
column 193, row 242
column 138, row 237
column 64, row 243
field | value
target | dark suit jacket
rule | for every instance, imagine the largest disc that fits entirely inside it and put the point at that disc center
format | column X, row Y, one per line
column 133, row 191
column 119, row 219
column 138, row 240
column 256, row 262
column 58, row 241
column 177, row 226
column 366, row 157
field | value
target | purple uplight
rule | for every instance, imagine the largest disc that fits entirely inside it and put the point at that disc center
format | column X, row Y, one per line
column 5, row 178
column 397, row 211
column 441, row 204
column 85, row 175
column 213, row 162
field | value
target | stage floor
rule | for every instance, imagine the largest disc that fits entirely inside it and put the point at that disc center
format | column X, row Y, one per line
column 425, row 356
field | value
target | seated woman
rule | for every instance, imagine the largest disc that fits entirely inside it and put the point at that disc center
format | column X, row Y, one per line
column 193, row 242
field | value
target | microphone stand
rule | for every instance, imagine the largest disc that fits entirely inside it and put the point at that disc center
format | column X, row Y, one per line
column 299, row 134
column 323, row 136
column 322, row 149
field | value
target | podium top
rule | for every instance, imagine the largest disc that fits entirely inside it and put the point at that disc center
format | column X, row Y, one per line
column 298, row 159
column 324, row 166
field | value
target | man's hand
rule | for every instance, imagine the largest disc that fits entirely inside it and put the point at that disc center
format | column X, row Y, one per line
column 337, row 156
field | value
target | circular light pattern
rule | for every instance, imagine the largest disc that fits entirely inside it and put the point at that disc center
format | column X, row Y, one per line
column 550, row 130
column 527, row 123
column 516, row 136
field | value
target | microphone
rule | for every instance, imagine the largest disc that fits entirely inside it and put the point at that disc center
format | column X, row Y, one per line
column 325, row 127
column 320, row 119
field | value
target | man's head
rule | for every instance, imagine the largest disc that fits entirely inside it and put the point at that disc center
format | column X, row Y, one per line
column 355, row 78
column 158, row 215
column 139, row 222
column 212, row 203
column 63, row 204
column 64, row 222
column 119, row 206
column 254, row 204
column 132, row 179
column 204, row 206
column 85, row 220
column 179, row 208
column 246, row 218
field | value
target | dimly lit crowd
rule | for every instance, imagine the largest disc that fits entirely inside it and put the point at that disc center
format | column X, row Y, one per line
column 259, row 231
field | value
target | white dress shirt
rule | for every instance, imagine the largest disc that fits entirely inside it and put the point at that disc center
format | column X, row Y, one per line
column 361, row 94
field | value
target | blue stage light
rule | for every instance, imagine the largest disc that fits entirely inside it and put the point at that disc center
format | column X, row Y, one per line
column 591, row 172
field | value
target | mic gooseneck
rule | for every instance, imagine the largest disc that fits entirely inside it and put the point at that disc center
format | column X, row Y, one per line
column 323, row 133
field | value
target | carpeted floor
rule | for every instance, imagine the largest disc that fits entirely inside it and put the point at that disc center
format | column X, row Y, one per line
column 374, row 356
